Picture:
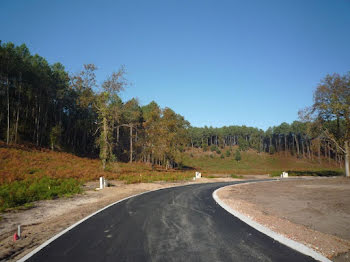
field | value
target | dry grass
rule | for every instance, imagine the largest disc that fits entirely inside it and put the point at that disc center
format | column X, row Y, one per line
column 253, row 163
column 28, row 173
column 23, row 162
column 20, row 163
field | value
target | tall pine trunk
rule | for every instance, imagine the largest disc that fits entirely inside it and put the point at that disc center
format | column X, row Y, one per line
column 8, row 112
column 18, row 106
column 285, row 145
column 347, row 153
column 319, row 151
column 130, row 143
column 104, row 146
column 297, row 145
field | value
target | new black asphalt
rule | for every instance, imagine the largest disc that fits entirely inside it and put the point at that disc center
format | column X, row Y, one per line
column 176, row 224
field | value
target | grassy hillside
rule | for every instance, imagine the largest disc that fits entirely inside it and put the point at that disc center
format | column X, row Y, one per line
column 20, row 162
column 28, row 174
column 23, row 162
column 252, row 162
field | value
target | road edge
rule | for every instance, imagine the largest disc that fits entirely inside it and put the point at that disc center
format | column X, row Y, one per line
column 274, row 235
column 47, row 242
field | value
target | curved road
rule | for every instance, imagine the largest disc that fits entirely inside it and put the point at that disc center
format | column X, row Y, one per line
column 176, row 224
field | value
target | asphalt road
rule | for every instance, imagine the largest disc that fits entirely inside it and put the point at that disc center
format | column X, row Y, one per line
column 176, row 224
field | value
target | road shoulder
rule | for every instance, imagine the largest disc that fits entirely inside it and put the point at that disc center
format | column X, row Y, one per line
column 274, row 205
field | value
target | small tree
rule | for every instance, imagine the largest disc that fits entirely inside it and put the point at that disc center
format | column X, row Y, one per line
column 55, row 136
column 238, row 155
column 205, row 147
column 107, row 104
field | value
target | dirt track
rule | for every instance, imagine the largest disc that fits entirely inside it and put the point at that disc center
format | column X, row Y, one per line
column 315, row 212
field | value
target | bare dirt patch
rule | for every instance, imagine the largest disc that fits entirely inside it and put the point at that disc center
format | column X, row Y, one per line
column 315, row 212
column 48, row 218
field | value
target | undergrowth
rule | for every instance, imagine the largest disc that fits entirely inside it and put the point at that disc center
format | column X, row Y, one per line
column 23, row 192
column 321, row 173
column 28, row 174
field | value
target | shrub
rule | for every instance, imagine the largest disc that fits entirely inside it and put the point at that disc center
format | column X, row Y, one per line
column 205, row 147
column 222, row 156
column 19, row 193
column 238, row 155
column 228, row 153
column 218, row 151
column 213, row 148
column 275, row 173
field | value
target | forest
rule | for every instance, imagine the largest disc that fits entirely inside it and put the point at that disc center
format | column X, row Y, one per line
column 47, row 106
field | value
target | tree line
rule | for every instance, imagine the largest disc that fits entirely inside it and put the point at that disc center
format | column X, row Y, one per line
column 45, row 105
column 296, row 139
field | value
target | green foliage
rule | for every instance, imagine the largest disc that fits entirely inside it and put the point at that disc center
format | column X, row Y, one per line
column 213, row 148
column 321, row 173
column 67, row 112
column 243, row 144
column 205, row 147
column 236, row 176
column 228, row 153
column 23, row 192
column 238, row 155
column 55, row 136
column 275, row 173
column 222, row 156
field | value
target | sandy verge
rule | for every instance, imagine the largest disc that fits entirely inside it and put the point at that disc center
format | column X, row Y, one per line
column 50, row 217
column 315, row 212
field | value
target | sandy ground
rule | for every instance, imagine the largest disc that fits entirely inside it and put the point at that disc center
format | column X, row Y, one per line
column 315, row 212
column 50, row 217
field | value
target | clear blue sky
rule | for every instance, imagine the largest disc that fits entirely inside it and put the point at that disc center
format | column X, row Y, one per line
column 215, row 62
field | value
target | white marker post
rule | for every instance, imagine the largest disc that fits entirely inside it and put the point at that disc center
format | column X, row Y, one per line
column 101, row 182
column 19, row 231
column 284, row 175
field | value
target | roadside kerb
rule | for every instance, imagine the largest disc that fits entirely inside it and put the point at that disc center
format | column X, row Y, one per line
column 278, row 237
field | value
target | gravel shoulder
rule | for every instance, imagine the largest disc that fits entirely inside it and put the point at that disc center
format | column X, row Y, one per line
column 315, row 212
column 48, row 218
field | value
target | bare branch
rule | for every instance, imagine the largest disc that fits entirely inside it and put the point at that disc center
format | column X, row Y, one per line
column 333, row 140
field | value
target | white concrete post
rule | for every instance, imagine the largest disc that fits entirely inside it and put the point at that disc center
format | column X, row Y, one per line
column 101, row 182
column 284, row 174
column 198, row 175
column 19, row 231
